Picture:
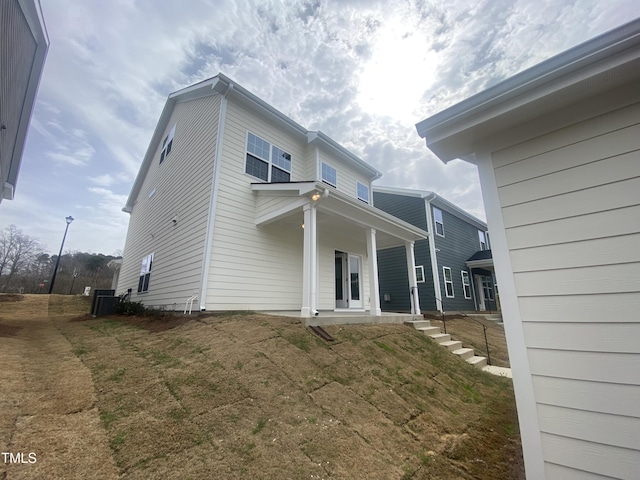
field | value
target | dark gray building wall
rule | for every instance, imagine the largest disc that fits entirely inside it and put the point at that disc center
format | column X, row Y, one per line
column 392, row 262
column 460, row 242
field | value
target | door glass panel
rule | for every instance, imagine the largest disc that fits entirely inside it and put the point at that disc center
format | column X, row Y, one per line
column 354, row 271
column 339, row 279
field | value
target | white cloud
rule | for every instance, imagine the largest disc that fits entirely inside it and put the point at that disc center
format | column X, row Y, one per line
column 362, row 71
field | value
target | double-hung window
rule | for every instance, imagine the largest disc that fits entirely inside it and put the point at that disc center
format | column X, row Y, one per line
column 448, row 282
column 419, row 273
column 362, row 191
column 466, row 286
column 167, row 144
column 483, row 240
column 437, row 218
column 145, row 273
column 267, row 162
column 329, row 175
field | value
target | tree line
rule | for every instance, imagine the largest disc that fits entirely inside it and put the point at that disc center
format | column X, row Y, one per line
column 25, row 267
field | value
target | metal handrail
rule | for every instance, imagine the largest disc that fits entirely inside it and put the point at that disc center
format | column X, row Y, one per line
column 484, row 327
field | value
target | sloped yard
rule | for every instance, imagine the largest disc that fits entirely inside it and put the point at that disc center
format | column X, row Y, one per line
column 253, row 396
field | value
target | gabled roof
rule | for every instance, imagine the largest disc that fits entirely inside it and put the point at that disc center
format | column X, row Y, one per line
column 223, row 85
column 430, row 196
column 604, row 63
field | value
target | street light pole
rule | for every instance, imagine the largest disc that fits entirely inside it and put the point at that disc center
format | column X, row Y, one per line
column 69, row 219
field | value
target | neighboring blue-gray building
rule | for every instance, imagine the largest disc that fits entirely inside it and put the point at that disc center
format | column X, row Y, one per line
column 454, row 271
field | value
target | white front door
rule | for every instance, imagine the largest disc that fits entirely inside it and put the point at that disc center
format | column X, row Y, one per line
column 348, row 282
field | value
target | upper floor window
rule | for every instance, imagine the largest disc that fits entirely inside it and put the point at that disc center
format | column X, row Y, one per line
column 437, row 217
column 363, row 192
column 267, row 162
column 329, row 175
column 167, row 143
column 482, row 236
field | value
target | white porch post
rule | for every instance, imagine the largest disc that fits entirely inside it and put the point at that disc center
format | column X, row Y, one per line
column 413, row 281
column 372, row 257
column 309, row 262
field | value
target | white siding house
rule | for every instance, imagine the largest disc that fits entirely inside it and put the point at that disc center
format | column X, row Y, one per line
column 238, row 205
column 558, row 152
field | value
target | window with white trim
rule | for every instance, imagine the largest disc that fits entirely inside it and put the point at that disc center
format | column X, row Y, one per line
column 466, row 286
column 482, row 236
column 448, row 282
column 267, row 162
column 167, row 144
column 145, row 273
column 419, row 274
column 437, row 219
column 329, row 175
column 363, row 192
column 487, row 287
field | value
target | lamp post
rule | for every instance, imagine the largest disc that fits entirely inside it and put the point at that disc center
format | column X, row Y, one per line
column 69, row 219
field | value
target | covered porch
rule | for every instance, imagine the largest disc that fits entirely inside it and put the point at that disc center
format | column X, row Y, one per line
column 483, row 281
column 341, row 235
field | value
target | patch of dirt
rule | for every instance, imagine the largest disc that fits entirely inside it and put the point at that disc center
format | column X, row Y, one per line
column 245, row 396
column 8, row 330
column 10, row 297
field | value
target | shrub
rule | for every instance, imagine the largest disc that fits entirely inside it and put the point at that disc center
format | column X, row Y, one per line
column 130, row 308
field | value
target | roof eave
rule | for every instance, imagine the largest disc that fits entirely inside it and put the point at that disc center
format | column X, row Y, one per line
column 452, row 133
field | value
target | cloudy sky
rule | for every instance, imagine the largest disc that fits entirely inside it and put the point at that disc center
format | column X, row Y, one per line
column 362, row 71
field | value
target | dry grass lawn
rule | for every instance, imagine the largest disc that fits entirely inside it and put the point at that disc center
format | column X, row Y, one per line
column 240, row 395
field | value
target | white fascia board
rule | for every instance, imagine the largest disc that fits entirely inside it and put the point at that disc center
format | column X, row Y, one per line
column 342, row 153
column 453, row 132
column 486, row 264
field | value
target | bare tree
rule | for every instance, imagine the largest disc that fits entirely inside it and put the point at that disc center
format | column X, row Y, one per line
column 17, row 252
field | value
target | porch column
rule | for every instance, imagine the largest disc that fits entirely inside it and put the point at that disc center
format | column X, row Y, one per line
column 413, row 281
column 372, row 258
column 309, row 262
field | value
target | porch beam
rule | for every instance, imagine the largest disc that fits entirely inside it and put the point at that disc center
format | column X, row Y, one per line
column 413, row 281
column 309, row 263
column 374, row 288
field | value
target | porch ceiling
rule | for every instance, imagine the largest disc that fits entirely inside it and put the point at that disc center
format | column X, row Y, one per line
column 337, row 213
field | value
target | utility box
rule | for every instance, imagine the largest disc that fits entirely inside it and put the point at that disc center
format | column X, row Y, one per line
column 100, row 293
column 106, row 305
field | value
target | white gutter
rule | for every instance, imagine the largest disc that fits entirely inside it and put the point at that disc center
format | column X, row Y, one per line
column 432, row 252
column 213, row 200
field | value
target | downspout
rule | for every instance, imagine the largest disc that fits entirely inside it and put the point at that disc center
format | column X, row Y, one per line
column 432, row 252
column 213, row 200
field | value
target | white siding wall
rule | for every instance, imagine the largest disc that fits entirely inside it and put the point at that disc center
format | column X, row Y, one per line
column 253, row 268
column 570, row 202
column 347, row 175
column 182, row 186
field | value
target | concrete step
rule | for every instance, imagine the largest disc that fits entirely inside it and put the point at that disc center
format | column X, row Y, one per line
column 418, row 323
column 464, row 353
column 499, row 371
column 477, row 362
column 451, row 345
column 440, row 337
column 429, row 330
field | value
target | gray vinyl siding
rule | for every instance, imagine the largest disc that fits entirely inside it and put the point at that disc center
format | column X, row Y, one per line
column 18, row 48
column 570, row 201
column 392, row 263
column 182, row 186
column 460, row 242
